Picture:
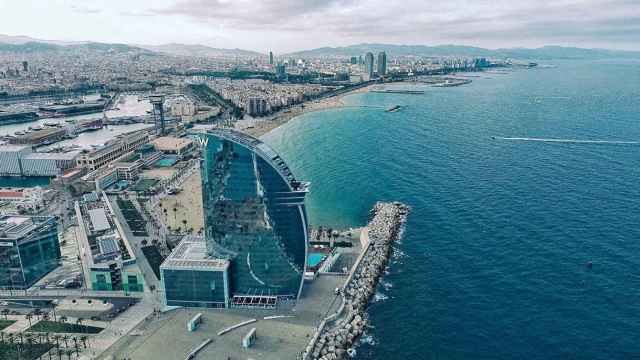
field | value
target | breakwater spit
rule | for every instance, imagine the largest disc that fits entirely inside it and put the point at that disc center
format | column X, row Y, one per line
column 338, row 332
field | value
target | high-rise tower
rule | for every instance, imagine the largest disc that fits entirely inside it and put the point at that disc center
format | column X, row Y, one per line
column 382, row 63
column 254, row 214
column 158, row 113
column 368, row 65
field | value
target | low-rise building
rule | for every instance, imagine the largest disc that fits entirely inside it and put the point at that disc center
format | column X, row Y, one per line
column 20, row 160
column 109, row 262
column 191, row 278
column 29, row 249
column 113, row 150
column 174, row 146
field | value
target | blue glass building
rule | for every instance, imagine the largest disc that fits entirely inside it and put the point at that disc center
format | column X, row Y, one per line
column 29, row 249
column 254, row 216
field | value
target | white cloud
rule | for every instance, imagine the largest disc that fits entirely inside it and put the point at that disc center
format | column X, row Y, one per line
column 286, row 25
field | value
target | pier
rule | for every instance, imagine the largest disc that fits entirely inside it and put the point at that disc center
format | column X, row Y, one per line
column 338, row 332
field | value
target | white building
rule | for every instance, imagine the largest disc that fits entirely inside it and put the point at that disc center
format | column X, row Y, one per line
column 19, row 160
column 10, row 156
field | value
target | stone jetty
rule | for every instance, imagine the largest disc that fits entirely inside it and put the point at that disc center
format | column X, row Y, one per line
column 338, row 332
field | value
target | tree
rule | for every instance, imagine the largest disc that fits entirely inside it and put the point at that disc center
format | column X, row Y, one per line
column 37, row 313
column 83, row 340
column 56, row 338
column 30, row 340
column 45, row 317
column 63, row 319
column 79, row 323
column 5, row 313
column 65, row 338
column 29, row 316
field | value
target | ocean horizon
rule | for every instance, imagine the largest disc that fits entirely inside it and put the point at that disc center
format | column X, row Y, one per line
column 523, row 237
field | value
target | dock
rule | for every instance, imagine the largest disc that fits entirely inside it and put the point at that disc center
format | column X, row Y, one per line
column 394, row 91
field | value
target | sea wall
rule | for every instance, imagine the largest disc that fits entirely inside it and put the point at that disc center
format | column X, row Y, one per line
column 338, row 332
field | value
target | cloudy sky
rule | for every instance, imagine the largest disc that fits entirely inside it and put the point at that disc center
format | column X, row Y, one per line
column 288, row 25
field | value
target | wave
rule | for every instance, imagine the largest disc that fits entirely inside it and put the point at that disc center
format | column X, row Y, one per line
column 368, row 339
column 571, row 141
column 380, row 297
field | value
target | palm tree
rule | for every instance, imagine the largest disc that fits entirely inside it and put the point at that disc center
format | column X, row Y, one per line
column 37, row 313
column 60, row 351
column 79, row 323
column 75, row 341
column 65, row 338
column 29, row 316
column 5, row 313
column 83, row 339
column 30, row 340
column 56, row 338
column 45, row 317
column 69, row 353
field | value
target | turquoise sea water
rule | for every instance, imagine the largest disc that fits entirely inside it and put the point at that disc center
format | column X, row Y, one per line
column 494, row 260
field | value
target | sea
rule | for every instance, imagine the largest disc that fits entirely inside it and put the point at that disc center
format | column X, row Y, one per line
column 516, row 247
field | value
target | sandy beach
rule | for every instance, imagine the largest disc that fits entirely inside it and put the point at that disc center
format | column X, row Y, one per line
column 261, row 126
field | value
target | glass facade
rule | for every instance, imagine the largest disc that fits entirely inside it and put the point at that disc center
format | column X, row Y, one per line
column 30, row 250
column 194, row 288
column 254, row 214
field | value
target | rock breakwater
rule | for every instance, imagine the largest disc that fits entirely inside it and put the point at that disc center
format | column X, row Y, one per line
column 338, row 333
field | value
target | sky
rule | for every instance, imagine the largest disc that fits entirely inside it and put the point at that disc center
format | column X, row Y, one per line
column 291, row 25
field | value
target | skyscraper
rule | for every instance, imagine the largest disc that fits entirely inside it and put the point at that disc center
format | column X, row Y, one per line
column 158, row 113
column 368, row 64
column 270, row 58
column 254, row 249
column 382, row 63
column 281, row 72
column 25, row 66
column 254, row 214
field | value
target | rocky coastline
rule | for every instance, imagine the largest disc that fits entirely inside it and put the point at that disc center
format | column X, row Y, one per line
column 338, row 333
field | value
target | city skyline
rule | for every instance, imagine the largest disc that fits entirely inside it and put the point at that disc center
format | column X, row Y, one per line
column 286, row 26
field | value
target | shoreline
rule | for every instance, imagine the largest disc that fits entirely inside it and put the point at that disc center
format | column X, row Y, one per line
column 264, row 125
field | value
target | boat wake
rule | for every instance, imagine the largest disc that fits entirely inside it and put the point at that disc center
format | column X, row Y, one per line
column 570, row 141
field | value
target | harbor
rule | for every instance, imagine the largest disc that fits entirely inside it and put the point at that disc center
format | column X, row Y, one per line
column 82, row 131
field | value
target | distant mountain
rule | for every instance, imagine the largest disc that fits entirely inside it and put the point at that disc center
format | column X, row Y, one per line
column 199, row 51
column 20, row 40
column 25, row 44
column 546, row 52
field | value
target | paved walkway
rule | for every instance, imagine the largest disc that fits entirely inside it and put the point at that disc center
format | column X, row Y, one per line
column 20, row 325
column 119, row 327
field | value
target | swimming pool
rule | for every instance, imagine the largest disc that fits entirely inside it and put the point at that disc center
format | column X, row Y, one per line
column 314, row 259
column 166, row 162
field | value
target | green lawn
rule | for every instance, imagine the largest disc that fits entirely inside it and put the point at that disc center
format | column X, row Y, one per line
column 57, row 327
column 5, row 324
column 27, row 352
